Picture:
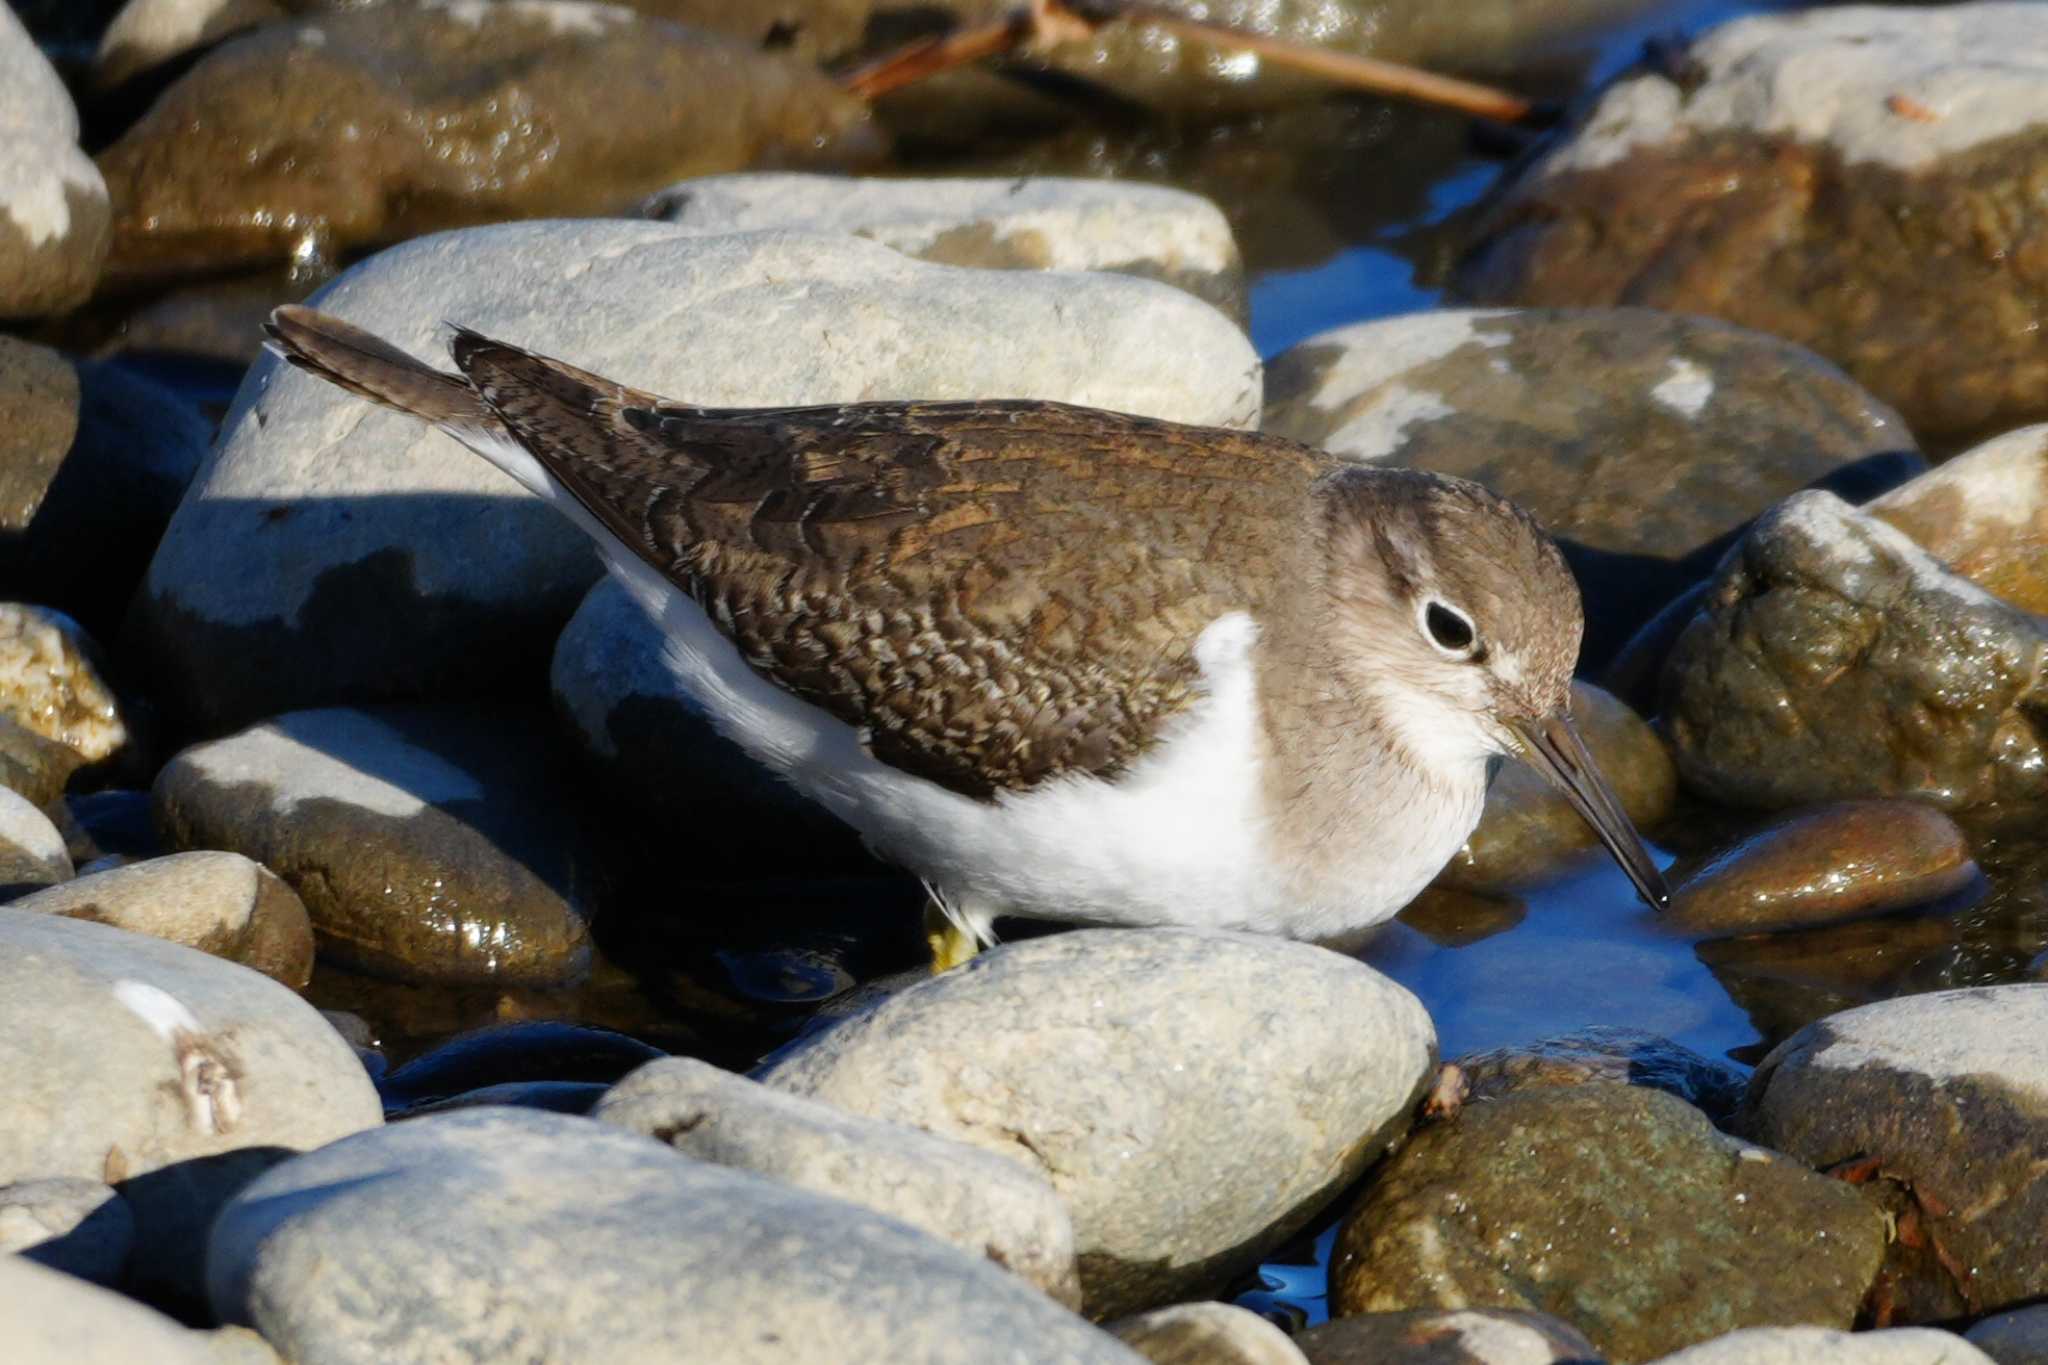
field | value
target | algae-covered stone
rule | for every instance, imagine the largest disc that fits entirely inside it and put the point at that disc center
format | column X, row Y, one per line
column 1620, row 1210
column 458, row 112
column 1833, row 659
column 1942, row 1100
column 1610, row 1055
column 428, row 844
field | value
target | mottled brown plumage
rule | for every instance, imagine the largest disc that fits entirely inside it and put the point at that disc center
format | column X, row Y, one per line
column 997, row 594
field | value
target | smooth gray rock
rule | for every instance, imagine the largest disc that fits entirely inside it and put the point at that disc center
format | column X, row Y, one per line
column 2016, row 1338
column 1194, row 1097
column 81, row 1227
column 218, row 902
column 977, row 1201
column 497, row 1234
column 1942, row 1099
column 1032, row 223
column 32, row 852
column 1821, row 1346
column 374, row 558
column 53, row 203
column 1206, row 1334
column 50, row 1318
column 427, row 843
column 164, row 1072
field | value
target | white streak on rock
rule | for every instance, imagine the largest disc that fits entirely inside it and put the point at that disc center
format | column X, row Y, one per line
column 1686, row 389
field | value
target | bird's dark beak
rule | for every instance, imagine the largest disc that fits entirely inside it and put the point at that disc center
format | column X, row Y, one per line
column 1552, row 747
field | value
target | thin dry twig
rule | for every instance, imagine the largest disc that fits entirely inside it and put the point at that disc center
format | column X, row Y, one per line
column 1045, row 23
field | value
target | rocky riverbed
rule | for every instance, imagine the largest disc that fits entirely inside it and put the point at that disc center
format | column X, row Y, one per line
column 395, row 965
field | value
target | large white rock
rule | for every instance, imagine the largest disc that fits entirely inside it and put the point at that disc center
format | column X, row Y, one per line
column 973, row 1199
column 1824, row 1346
column 509, row 1234
column 1195, row 1097
column 53, row 203
column 126, row 1055
column 360, row 555
column 50, row 1318
column 1013, row 223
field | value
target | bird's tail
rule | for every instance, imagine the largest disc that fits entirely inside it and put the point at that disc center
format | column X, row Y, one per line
column 373, row 368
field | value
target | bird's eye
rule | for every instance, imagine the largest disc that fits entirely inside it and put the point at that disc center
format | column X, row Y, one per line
column 1449, row 629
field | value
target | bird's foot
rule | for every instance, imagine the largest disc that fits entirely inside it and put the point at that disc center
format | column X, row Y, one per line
column 951, row 942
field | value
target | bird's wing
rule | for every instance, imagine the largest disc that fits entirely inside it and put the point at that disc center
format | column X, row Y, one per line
column 996, row 593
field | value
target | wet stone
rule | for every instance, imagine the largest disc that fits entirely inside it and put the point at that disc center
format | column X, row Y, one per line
column 515, row 1054
column 1821, row 1346
column 1617, row 1208
column 1641, row 439
column 1033, row 223
column 1467, row 1336
column 32, row 852
column 53, row 203
column 81, row 1227
column 962, row 1195
column 1833, row 659
column 1825, row 864
column 1862, row 180
column 1937, row 1105
column 220, row 903
column 33, row 767
column 1103, row 1060
column 1206, row 1334
column 1529, row 832
column 1609, row 1055
column 423, row 1240
column 1451, row 918
column 50, row 684
column 1786, row 980
column 428, row 844
column 1985, row 515
column 488, row 111
column 335, row 553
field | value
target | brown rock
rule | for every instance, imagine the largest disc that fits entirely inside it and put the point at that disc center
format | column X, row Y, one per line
column 49, row 684
column 456, row 114
column 1785, row 981
column 219, row 903
column 1825, row 864
column 1834, row 659
column 34, row 767
column 1619, row 1209
column 1605, row 1055
column 1863, row 181
column 1938, row 1106
column 1529, row 833
column 1984, row 514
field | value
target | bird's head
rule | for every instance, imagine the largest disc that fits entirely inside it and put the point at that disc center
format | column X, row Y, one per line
column 1456, row 614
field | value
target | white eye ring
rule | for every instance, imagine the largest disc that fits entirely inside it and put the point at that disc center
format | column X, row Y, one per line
column 1450, row 632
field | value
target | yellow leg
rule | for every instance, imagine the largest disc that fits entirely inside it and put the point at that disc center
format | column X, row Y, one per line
column 950, row 944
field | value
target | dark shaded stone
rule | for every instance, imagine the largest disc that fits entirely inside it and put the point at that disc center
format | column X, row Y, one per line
column 1609, row 1055
column 1464, row 1336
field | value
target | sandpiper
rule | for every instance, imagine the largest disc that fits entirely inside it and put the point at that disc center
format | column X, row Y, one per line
column 1061, row 663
